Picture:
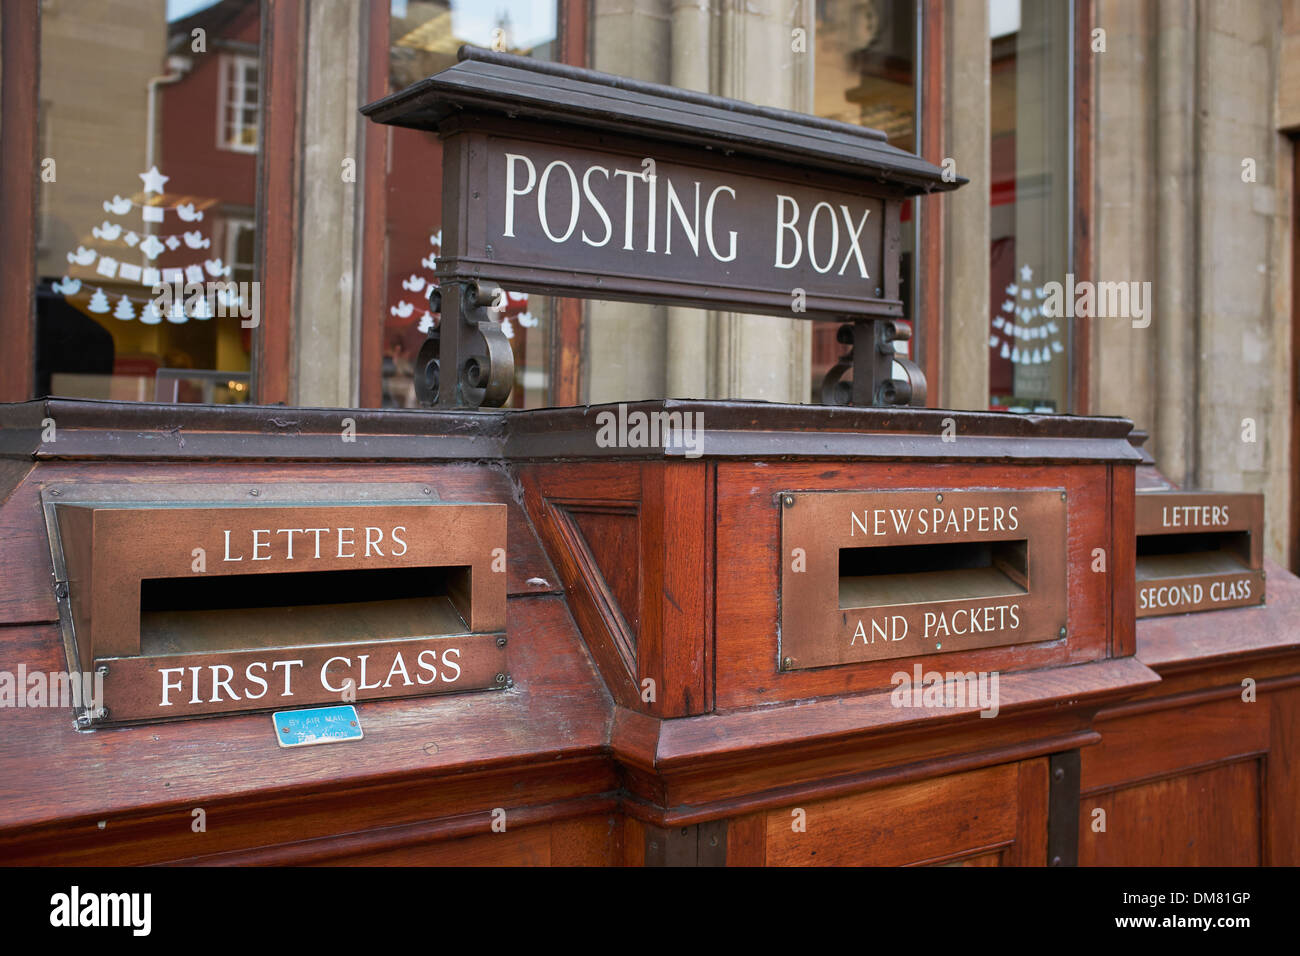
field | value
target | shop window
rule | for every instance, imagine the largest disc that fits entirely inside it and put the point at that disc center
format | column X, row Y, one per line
column 1030, row 225
column 423, row 40
column 146, row 224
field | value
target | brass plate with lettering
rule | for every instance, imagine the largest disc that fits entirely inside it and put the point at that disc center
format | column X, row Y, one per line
column 190, row 605
column 187, row 685
column 1198, row 551
column 885, row 574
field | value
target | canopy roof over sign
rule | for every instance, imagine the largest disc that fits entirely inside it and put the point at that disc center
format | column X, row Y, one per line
column 484, row 82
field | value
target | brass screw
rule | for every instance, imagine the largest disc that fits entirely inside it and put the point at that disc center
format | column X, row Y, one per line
column 789, row 501
column 788, row 663
column 1062, row 495
column 1062, row 632
column 501, row 642
column 501, row 678
column 938, row 497
column 254, row 492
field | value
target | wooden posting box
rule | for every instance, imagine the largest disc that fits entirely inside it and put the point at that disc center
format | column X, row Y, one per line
column 307, row 595
column 1198, row 550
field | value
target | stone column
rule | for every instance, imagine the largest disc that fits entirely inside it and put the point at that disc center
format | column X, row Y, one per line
column 326, row 340
column 763, row 357
column 1173, row 424
column 1123, row 359
column 625, row 356
column 964, row 357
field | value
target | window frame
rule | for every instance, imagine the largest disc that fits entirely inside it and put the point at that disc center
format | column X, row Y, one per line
column 234, row 73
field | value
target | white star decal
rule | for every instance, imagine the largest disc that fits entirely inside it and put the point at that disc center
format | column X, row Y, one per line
column 1026, row 273
column 154, row 180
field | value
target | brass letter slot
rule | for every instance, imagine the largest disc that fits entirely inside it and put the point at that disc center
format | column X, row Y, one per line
column 873, row 575
column 1198, row 551
column 204, row 608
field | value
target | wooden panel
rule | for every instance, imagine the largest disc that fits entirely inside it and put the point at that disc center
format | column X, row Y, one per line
column 993, row 858
column 676, row 575
column 1122, row 563
column 1282, row 781
column 747, row 598
column 529, row 847
column 588, row 841
column 747, row 840
column 1030, row 848
column 633, row 842
column 897, row 825
column 612, row 535
column 1158, row 743
column 548, row 491
column 1206, row 818
column 672, row 563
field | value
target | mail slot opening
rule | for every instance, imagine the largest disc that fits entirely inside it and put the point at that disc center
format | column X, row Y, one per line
column 1177, row 555
column 300, row 608
column 923, row 573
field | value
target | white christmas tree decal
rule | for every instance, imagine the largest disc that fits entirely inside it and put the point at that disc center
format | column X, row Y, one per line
column 1019, row 329
column 120, row 243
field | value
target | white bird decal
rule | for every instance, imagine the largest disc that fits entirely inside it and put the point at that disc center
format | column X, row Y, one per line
column 402, row 310
column 188, row 213
column 108, row 231
column 215, row 268
column 67, row 286
column 413, row 284
column 82, row 257
column 118, row 206
column 430, row 261
column 195, row 240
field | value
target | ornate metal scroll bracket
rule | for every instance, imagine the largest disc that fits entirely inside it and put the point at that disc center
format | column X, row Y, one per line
column 468, row 340
column 871, row 358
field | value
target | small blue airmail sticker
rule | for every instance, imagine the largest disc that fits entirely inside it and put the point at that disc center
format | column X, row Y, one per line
column 317, row 725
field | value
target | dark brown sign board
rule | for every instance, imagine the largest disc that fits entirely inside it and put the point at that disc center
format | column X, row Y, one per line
column 1198, row 551
column 889, row 574
column 190, row 608
column 567, row 181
